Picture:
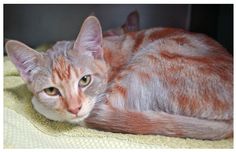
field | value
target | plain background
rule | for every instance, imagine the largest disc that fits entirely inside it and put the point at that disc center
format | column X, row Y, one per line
column 37, row 24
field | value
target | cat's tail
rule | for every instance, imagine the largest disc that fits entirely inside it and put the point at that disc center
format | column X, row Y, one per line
column 107, row 118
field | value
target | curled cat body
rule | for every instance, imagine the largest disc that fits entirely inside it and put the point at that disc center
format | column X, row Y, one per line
column 163, row 81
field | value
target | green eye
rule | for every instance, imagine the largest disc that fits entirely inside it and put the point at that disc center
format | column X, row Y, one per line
column 85, row 80
column 52, row 91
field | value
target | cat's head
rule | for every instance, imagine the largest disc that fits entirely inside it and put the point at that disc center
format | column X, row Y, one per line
column 69, row 78
column 131, row 25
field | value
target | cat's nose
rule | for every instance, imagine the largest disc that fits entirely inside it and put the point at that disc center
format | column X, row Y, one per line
column 75, row 110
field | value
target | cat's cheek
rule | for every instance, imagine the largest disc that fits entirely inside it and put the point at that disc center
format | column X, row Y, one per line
column 46, row 111
column 51, row 101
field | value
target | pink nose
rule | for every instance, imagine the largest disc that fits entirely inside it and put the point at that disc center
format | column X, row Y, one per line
column 75, row 110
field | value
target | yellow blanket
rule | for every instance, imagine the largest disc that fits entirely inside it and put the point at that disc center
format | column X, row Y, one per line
column 25, row 128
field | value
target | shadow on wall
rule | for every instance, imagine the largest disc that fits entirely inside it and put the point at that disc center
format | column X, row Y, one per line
column 37, row 24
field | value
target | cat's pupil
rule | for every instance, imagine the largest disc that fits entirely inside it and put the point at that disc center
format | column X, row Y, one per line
column 51, row 89
column 84, row 78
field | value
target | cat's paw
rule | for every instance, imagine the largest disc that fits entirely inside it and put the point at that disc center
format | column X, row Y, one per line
column 100, row 113
column 101, row 110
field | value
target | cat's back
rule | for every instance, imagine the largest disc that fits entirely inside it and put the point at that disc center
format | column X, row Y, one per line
column 164, row 38
column 173, row 70
column 167, row 43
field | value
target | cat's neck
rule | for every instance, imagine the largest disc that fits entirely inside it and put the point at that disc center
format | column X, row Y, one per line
column 117, row 50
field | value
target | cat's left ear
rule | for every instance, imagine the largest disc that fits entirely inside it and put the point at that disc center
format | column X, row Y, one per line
column 89, row 39
column 132, row 22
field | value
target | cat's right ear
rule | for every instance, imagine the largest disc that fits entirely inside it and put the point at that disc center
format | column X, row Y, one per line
column 23, row 57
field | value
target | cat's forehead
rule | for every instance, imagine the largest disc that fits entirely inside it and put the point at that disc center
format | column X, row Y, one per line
column 66, row 62
column 60, row 49
column 65, row 49
column 63, row 69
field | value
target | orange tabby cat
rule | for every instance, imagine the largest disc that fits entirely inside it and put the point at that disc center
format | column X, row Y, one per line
column 158, row 81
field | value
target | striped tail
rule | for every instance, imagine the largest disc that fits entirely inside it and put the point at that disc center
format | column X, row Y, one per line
column 107, row 118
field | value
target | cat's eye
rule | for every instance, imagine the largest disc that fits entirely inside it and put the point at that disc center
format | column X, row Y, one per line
column 52, row 91
column 84, row 81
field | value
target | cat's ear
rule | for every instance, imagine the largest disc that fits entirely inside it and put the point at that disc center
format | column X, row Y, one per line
column 24, row 58
column 89, row 39
column 132, row 22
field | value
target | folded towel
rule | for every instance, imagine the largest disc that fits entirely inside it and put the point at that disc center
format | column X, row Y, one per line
column 25, row 128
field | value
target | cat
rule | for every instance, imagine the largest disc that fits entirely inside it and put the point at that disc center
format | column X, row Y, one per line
column 163, row 81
